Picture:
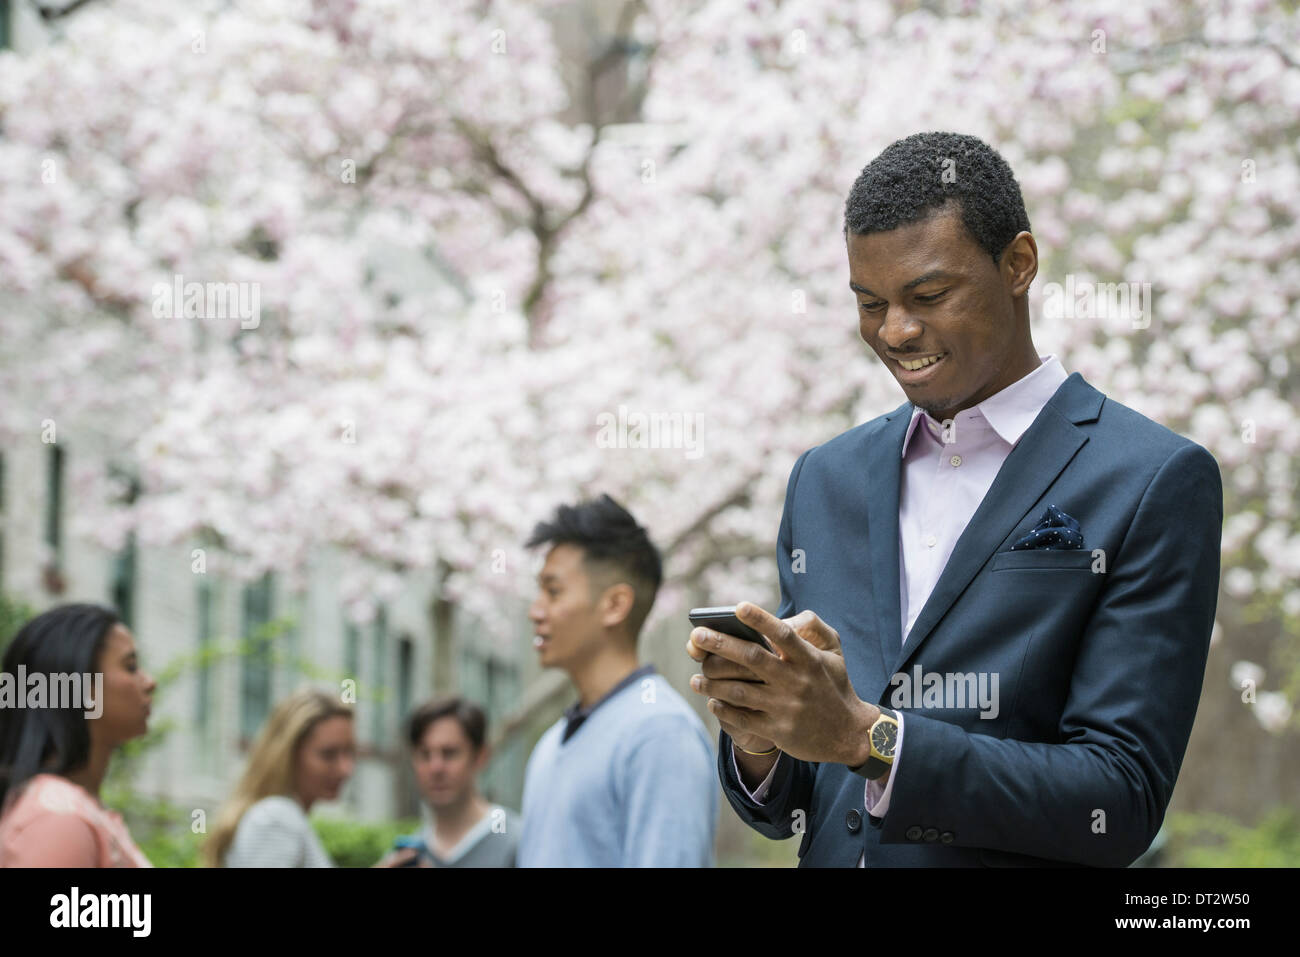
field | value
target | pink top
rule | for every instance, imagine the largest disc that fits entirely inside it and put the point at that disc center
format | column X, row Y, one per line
column 55, row 823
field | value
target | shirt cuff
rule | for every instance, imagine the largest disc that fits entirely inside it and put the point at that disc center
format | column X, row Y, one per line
column 759, row 794
column 877, row 798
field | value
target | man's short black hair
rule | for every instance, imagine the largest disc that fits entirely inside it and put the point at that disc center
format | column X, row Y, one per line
column 615, row 550
column 920, row 174
column 468, row 715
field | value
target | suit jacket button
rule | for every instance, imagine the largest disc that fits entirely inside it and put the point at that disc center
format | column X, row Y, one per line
column 931, row 834
column 946, row 837
column 913, row 833
column 854, row 820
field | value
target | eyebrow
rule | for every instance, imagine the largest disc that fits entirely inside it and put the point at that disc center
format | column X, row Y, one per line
column 930, row 276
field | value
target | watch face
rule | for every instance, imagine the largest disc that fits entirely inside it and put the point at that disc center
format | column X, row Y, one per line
column 884, row 736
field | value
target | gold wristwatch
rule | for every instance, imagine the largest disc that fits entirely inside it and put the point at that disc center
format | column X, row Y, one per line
column 884, row 738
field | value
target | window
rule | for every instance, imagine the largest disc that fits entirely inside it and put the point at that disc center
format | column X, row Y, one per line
column 293, row 640
column 206, row 615
column 378, row 712
column 122, row 578
column 122, row 574
column 54, row 504
column 2, row 509
column 493, row 682
column 352, row 653
column 255, row 688
column 405, row 677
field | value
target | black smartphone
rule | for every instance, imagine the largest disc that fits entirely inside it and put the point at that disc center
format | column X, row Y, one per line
column 724, row 619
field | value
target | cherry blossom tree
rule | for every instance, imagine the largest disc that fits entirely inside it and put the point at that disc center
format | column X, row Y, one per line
column 481, row 289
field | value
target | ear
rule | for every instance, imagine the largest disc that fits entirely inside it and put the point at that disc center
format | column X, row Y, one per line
column 616, row 604
column 1019, row 263
column 484, row 756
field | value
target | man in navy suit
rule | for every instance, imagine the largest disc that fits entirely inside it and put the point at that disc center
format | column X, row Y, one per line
column 1006, row 586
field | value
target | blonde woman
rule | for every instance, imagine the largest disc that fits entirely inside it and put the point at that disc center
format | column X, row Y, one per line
column 303, row 755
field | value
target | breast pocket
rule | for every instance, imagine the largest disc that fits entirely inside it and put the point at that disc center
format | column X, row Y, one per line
column 1044, row 559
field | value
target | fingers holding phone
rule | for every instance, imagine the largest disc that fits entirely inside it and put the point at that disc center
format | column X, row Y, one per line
column 402, row 857
column 723, row 619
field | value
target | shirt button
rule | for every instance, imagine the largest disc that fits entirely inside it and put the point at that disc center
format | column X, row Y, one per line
column 955, row 460
column 931, row 541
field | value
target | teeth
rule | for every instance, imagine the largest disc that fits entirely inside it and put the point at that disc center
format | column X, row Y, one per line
column 919, row 363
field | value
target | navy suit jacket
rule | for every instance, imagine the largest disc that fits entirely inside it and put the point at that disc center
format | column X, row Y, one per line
column 1099, row 673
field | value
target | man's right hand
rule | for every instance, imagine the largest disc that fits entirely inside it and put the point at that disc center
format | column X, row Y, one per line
column 806, row 625
column 715, row 666
column 402, row 857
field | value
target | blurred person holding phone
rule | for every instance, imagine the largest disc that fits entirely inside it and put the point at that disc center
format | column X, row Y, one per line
column 449, row 750
column 54, row 754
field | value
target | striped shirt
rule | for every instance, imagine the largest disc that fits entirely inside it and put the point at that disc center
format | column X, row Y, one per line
column 275, row 832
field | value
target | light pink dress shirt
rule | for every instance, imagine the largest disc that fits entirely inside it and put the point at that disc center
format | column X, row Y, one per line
column 944, row 479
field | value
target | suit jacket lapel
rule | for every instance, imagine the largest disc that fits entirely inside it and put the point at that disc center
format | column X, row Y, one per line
column 1033, row 465
column 884, row 470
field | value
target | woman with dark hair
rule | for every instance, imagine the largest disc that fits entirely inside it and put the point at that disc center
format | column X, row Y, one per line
column 54, row 753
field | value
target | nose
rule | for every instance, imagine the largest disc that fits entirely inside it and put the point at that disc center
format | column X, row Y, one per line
column 149, row 683
column 535, row 613
column 898, row 328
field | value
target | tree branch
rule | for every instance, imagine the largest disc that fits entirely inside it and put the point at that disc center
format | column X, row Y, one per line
column 738, row 496
column 50, row 14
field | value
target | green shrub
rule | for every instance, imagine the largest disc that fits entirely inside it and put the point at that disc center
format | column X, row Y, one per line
column 357, row 843
column 14, row 613
column 1213, row 840
column 159, row 828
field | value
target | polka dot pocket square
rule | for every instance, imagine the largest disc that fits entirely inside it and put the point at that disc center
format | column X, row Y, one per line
column 1054, row 530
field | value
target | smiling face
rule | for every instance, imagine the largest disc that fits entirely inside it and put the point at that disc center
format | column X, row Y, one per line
column 927, row 289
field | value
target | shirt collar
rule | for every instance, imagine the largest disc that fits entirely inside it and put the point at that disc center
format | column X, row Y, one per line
column 472, row 837
column 1010, row 412
column 575, row 714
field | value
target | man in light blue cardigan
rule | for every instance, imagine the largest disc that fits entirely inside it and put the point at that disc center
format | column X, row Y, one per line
column 626, row 777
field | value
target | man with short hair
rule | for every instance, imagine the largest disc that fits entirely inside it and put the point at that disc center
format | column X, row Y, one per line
column 1005, row 586
column 448, row 751
column 625, row 777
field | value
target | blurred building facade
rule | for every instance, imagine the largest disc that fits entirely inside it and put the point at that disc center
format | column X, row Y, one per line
column 232, row 649
column 192, row 622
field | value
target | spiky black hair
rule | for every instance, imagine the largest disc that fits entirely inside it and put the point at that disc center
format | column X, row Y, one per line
column 915, row 176
column 612, row 543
